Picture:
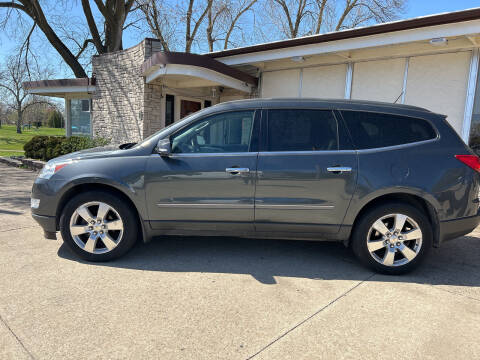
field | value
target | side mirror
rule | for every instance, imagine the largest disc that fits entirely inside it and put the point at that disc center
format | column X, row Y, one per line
column 164, row 148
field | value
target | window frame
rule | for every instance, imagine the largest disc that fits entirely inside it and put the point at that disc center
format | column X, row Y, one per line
column 264, row 131
column 255, row 127
column 390, row 147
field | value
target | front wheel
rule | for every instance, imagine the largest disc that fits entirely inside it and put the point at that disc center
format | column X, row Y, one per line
column 392, row 238
column 98, row 226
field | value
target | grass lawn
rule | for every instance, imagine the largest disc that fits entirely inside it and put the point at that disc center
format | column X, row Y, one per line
column 12, row 143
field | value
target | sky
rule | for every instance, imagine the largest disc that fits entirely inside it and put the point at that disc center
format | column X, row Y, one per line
column 415, row 8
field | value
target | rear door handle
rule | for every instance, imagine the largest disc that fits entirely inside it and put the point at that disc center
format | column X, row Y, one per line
column 237, row 171
column 339, row 169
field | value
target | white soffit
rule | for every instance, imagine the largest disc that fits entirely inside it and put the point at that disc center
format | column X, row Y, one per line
column 199, row 72
column 397, row 37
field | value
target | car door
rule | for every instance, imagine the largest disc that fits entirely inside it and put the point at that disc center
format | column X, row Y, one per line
column 208, row 181
column 305, row 183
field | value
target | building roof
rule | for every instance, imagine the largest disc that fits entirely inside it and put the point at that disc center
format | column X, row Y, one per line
column 409, row 24
column 179, row 58
column 58, row 82
column 60, row 87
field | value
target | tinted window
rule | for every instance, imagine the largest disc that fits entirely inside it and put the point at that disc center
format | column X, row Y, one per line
column 374, row 130
column 227, row 132
column 169, row 109
column 301, row 130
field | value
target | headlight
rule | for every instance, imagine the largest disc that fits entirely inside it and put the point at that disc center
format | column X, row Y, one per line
column 51, row 168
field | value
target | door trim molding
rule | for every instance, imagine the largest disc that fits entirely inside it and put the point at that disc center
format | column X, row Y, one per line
column 206, row 206
column 294, row 207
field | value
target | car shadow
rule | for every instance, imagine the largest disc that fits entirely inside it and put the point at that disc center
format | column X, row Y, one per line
column 455, row 263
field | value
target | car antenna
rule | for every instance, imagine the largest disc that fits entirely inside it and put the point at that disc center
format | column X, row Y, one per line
column 398, row 98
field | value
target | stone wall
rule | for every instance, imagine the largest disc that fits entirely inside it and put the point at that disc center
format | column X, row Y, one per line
column 153, row 97
column 125, row 109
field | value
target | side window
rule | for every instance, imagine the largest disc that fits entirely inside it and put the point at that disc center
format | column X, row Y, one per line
column 222, row 133
column 375, row 130
column 301, row 130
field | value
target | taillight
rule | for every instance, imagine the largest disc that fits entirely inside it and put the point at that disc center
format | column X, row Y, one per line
column 470, row 160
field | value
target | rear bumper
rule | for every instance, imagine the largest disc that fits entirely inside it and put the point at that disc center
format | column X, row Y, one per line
column 455, row 228
column 49, row 225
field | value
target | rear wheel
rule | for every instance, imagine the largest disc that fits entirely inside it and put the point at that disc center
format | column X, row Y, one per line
column 392, row 238
column 98, row 226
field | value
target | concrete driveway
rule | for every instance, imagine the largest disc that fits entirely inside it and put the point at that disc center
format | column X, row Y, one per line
column 226, row 298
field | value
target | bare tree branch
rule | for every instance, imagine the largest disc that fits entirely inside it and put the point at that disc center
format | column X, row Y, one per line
column 114, row 14
column 97, row 41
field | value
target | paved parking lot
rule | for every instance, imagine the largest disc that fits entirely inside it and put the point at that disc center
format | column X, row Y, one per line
column 226, row 298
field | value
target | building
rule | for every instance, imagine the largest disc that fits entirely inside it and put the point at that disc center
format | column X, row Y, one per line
column 430, row 61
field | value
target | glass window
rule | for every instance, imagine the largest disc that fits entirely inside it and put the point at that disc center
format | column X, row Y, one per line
column 301, row 130
column 374, row 130
column 86, row 105
column 227, row 132
column 475, row 125
column 80, row 116
column 169, row 109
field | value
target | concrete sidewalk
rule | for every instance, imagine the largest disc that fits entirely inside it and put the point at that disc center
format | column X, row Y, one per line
column 226, row 298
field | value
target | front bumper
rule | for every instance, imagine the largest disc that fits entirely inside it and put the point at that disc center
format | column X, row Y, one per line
column 49, row 225
column 458, row 227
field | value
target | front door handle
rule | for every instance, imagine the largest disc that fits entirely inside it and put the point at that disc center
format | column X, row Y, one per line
column 339, row 169
column 237, row 171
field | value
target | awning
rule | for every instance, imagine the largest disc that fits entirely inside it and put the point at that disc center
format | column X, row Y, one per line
column 183, row 70
column 61, row 87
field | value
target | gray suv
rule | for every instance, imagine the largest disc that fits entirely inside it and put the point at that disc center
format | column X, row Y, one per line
column 391, row 181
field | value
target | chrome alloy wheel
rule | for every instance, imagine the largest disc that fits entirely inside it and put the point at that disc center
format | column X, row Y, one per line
column 394, row 240
column 96, row 227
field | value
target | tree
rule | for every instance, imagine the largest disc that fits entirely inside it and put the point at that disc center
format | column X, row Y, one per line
column 178, row 26
column 294, row 18
column 165, row 21
column 12, row 92
column 223, row 17
column 113, row 17
column 55, row 119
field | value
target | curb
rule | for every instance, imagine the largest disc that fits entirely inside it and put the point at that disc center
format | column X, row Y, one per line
column 9, row 161
column 27, row 163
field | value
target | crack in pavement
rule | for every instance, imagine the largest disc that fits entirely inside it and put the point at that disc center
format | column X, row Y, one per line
column 454, row 293
column 311, row 316
column 17, row 338
column 21, row 228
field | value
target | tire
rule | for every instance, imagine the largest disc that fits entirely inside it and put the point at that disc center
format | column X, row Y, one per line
column 109, row 239
column 385, row 251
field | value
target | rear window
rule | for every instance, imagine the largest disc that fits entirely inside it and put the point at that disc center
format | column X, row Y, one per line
column 301, row 130
column 374, row 130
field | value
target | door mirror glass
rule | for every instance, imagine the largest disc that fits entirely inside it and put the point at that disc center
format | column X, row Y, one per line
column 163, row 147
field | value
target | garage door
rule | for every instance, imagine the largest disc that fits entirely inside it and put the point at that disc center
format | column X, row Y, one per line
column 439, row 83
column 324, row 82
column 378, row 80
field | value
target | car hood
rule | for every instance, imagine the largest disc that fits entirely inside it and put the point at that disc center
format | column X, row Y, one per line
column 93, row 153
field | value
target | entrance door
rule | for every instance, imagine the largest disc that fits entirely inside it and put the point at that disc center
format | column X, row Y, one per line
column 208, row 182
column 188, row 107
column 305, row 183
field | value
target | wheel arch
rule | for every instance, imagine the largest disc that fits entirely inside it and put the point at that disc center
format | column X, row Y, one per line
column 97, row 186
column 414, row 200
